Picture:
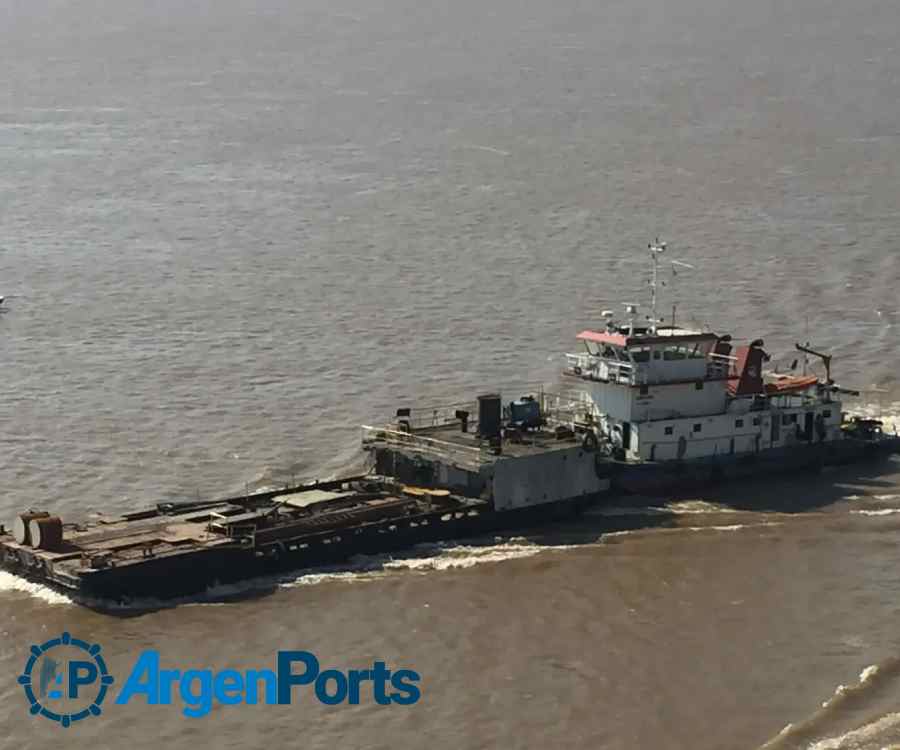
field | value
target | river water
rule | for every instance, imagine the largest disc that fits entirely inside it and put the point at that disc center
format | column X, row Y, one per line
column 232, row 232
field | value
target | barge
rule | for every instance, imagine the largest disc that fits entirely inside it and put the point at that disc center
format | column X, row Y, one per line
column 178, row 549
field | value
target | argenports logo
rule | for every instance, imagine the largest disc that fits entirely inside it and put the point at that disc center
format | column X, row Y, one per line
column 66, row 680
column 71, row 679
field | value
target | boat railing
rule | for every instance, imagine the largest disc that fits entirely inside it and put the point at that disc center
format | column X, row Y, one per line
column 422, row 417
column 557, row 408
column 601, row 368
column 565, row 408
column 440, row 415
column 373, row 436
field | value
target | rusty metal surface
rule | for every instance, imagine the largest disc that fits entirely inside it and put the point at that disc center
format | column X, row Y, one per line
column 256, row 520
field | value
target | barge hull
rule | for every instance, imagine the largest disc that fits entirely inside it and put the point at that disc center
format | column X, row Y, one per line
column 677, row 476
column 196, row 571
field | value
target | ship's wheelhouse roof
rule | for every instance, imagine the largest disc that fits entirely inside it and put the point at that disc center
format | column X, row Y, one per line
column 645, row 338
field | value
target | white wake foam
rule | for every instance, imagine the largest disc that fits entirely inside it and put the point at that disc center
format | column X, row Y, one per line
column 9, row 582
column 688, row 507
column 733, row 526
column 439, row 556
column 867, row 737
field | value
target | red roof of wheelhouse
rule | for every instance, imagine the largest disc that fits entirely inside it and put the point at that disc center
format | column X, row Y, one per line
column 620, row 339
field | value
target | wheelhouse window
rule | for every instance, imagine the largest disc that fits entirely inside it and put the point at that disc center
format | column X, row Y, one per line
column 669, row 430
column 698, row 427
column 738, row 423
column 640, row 353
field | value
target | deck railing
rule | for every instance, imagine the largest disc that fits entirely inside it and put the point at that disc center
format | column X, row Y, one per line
column 412, row 441
column 591, row 367
column 600, row 368
column 410, row 429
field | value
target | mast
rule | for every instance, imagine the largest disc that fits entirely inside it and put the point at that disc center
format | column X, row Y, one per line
column 656, row 249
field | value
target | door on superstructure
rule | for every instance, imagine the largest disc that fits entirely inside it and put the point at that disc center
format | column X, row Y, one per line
column 626, row 435
column 808, row 427
column 776, row 428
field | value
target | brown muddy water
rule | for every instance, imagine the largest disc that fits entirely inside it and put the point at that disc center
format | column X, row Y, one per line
column 231, row 232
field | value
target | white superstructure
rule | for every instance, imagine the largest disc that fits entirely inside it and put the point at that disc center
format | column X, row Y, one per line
column 659, row 393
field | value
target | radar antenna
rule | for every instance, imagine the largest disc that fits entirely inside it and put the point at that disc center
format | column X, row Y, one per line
column 630, row 310
column 656, row 249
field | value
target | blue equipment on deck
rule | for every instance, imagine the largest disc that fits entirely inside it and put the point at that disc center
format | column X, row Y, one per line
column 525, row 413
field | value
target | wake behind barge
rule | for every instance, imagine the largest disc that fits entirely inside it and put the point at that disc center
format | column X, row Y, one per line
column 183, row 548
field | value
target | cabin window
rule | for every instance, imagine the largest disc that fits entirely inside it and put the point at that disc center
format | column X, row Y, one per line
column 675, row 352
column 826, row 413
column 756, row 421
column 640, row 354
column 698, row 427
column 645, row 389
column 738, row 422
column 656, row 354
column 698, row 386
column 789, row 419
column 668, row 430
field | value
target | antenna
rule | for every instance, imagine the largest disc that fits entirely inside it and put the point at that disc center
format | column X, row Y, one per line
column 608, row 315
column 805, row 356
column 656, row 249
column 630, row 311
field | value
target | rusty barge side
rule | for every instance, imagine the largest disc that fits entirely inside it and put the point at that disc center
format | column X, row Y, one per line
column 180, row 549
column 177, row 549
column 436, row 483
